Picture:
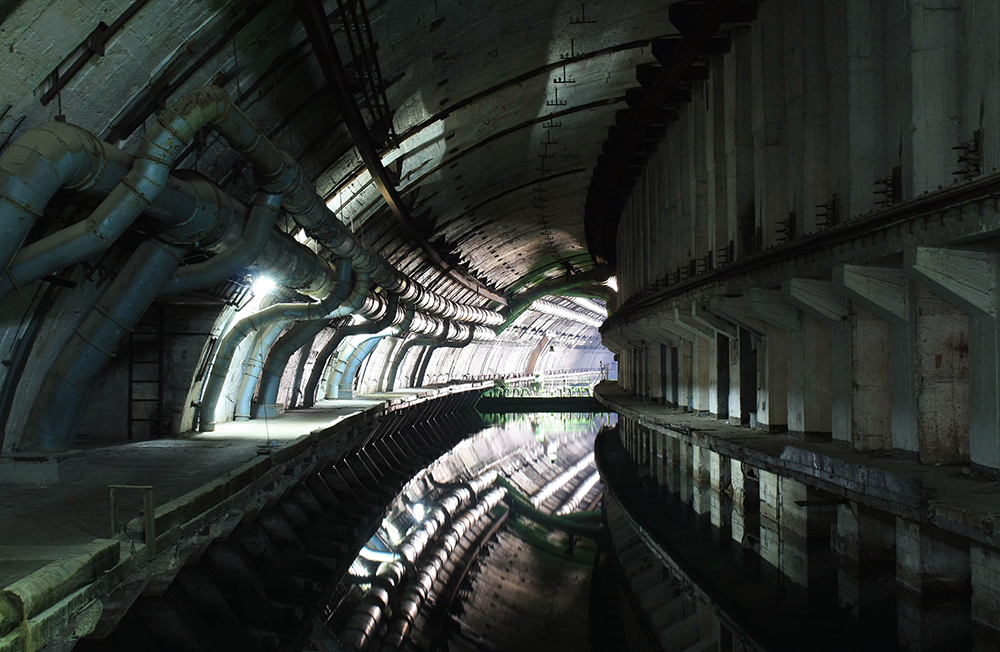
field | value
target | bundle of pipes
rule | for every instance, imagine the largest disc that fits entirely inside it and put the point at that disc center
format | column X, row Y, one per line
column 419, row 589
column 363, row 623
column 56, row 156
column 188, row 211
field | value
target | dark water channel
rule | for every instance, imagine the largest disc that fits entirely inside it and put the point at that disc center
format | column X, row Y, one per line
column 777, row 566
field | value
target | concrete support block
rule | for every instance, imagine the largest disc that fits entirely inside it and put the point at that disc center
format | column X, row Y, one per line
column 865, row 556
column 772, row 380
column 721, row 491
column 737, row 481
column 935, row 124
column 888, row 294
column 942, row 348
column 969, row 279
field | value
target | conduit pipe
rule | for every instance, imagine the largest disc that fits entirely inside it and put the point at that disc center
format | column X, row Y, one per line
column 192, row 217
column 277, row 360
column 441, row 345
column 338, row 291
column 551, row 488
column 403, row 350
column 419, row 589
column 51, row 423
column 342, row 382
column 558, row 285
column 44, row 159
column 259, row 227
column 579, row 494
column 262, row 343
column 367, row 616
column 173, row 130
column 309, row 394
column 361, row 353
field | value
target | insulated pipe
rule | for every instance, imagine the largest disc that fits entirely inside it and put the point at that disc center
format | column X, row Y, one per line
column 403, row 350
column 420, row 588
column 558, row 285
column 309, row 394
column 44, row 159
column 148, row 187
column 52, row 421
column 300, row 368
column 277, row 360
column 251, row 370
column 278, row 313
column 359, row 300
column 442, row 345
column 259, row 226
column 172, row 131
column 361, row 352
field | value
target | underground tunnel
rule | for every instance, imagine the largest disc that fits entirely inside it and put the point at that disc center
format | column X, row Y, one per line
column 395, row 325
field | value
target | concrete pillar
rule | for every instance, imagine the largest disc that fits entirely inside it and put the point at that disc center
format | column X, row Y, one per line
column 827, row 352
column 672, row 458
column 935, row 67
column 770, row 532
column 739, row 141
column 723, row 222
column 702, row 484
column 720, row 468
column 700, row 139
column 969, row 280
column 887, row 293
column 807, row 111
column 855, row 61
column 685, row 470
column 807, row 519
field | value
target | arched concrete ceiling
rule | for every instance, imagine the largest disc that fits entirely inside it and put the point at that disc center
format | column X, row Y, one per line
column 496, row 153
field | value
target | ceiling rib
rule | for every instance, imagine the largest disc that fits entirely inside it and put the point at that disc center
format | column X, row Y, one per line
column 318, row 30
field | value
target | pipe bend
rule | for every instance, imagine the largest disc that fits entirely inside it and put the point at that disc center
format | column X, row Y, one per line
column 263, row 217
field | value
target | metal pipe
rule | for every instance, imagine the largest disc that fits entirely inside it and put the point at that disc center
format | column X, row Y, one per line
column 309, row 394
column 277, row 360
column 420, row 588
column 403, row 350
column 149, row 175
column 259, row 226
column 441, row 345
column 52, row 421
column 345, row 384
column 44, row 159
column 278, row 313
column 191, row 217
column 251, row 370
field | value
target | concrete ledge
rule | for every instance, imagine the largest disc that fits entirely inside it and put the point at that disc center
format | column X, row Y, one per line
column 63, row 601
column 940, row 496
column 30, row 596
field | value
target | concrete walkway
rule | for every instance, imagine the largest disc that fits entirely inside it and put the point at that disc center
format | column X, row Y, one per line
column 42, row 523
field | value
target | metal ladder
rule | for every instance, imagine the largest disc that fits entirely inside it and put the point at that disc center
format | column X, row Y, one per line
column 145, row 377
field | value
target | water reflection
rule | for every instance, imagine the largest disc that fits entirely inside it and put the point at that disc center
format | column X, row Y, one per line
column 798, row 568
